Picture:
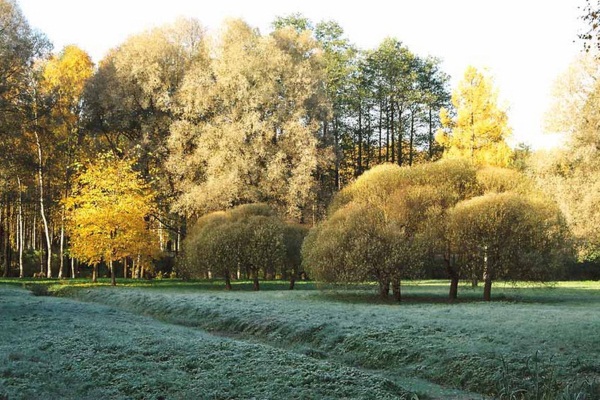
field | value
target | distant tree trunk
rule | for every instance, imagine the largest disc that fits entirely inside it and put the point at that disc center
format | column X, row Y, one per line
column 400, row 134
column 430, row 137
column 125, row 268
column 487, row 288
column 387, row 137
column 368, row 158
column 454, row 279
column 72, row 268
column 392, row 145
column 6, row 237
column 95, row 273
column 293, row 279
column 255, row 284
column 453, row 287
column 396, row 289
column 384, row 288
column 412, row 138
column 336, row 150
column 380, row 158
column 20, row 230
column 359, row 161
column 62, row 244
column 228, row 281
column 42, row 212
column 113, row 278
column 487, row 277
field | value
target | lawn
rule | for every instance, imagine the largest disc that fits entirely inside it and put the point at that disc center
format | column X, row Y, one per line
column 531, row 342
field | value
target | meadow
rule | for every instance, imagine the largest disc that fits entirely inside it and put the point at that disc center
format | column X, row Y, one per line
column 175, row 339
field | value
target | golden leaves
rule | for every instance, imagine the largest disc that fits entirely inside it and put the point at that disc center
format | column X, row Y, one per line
column 108, row 213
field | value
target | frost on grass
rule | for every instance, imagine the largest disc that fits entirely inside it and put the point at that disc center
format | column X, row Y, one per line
column 479, row 347
column 59, row 348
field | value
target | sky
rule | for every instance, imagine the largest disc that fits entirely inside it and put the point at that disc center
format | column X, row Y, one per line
column 524, row 44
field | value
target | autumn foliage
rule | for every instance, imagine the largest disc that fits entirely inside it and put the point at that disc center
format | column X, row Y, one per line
column 108, row 214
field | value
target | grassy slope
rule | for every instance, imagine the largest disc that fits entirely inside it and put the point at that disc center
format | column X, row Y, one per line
column 58, row 348
column 536, row 339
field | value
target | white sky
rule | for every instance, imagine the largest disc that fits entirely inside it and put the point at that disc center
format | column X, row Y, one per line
column 525, row 44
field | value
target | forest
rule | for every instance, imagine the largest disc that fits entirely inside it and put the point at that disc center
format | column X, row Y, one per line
column 158, row 207
column 191, row 155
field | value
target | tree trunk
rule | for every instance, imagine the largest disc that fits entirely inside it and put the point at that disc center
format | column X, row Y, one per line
column 396, row 289
column 400, row 134
column 292, row 280
column 125, row 268
column 454, row 279
column 384, row 288
column 6, row 238
column 380, row 158
column 72, row 268
column 487, row 288
column 95, row 273
column 412, row 138
column 393, row 145
column 359, row 160
column 113, row 278
column 453, row 287
column 387, row 137
column 42, row 212
column 62, row 244
column 228, row 281
column 255, row 284
column 430, row 137
column 336, row 150
column 20, row 230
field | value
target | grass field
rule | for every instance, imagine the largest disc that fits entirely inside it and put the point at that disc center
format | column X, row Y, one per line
column 191, row 339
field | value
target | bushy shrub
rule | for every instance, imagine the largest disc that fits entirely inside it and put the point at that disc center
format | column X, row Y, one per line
column 245, row 240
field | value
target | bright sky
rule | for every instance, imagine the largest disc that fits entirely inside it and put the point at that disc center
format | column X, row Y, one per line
column 525, row 44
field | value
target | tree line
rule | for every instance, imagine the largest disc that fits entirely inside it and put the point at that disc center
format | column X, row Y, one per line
column 285, row 118
column 227, row 147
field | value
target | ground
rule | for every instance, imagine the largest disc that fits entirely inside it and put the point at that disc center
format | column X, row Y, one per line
column 180, row 340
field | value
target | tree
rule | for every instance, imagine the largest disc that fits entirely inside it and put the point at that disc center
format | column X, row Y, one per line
column 212, row 248
column 509, row 236
column 132, row 101
column 375, row 231
column 64, row 78
column 452, row 181
column 591, row 16
column 108, row 214
column 479, row 129
column 571, row 175
column 21, row 48
column 248, row 131
column 570, row 93
column 248, row 238
column 293, row 237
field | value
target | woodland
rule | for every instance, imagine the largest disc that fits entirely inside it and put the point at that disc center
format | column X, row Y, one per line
column 291, row 154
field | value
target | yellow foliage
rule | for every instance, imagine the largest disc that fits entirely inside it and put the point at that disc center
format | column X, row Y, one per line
column 480, row 128
column 107, row 213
